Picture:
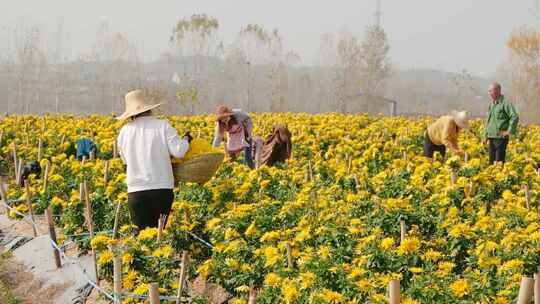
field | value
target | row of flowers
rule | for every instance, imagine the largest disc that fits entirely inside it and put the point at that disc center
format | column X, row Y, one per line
column 322, row 228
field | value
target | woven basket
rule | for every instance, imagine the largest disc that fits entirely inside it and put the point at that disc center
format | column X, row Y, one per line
column 198, row 169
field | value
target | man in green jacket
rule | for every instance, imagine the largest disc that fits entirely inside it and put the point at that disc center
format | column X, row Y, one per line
column 501, row 122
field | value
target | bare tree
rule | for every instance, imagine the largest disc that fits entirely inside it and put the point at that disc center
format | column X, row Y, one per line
column 347, row 78
column 196, row 36
column 375, row 64
column 524, row 46
column 30, row 61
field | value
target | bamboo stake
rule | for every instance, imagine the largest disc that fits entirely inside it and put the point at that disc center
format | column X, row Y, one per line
column 52, row 235
column 63, row 140
column 92, row 155
column 182, row 279
column 19, row 171
column 453, row 177
column 466, row 157
column 527, row 196
column 290, row 262
column 537, row 288
column 40, row 149
column 252, row 295
column 46, row 177
column 106, row 172
column 356, row 183
column 394, row 292
column 116, row 215
column 310, row 171
column 15, row 160
column 349, row 164
column 161, row 223
column 403, row 232
column 471, row 188
column 3, row 196
column 115, row 150
column 117, row 272
column 30, row 209
column 90, row 224
column 153, row 293
column 525, row 290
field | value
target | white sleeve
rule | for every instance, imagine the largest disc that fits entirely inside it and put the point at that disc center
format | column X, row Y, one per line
column 177, row 147
column 119, row 141
column 218, row 137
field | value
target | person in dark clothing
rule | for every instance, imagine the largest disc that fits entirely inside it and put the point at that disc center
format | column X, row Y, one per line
column 501, row 123
column 32, row 167
column 277, row 147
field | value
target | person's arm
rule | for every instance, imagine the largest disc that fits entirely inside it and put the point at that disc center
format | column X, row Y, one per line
column 119, row 140
column 177, row 147
column 449, row 137
column 218, row 137
column 513, row 118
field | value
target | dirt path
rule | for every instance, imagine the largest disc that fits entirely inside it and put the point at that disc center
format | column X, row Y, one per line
column 18, row 286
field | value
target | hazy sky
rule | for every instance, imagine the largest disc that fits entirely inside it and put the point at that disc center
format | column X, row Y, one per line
column 448, row 35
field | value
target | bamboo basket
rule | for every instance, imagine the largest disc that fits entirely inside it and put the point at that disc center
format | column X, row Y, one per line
column 198, row 169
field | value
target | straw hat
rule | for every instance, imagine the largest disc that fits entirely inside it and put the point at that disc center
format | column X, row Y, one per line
column 461, row 119
column 136, row 104
column 223, row 111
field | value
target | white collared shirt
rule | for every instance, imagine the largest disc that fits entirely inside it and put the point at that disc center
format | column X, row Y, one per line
column 146, row 145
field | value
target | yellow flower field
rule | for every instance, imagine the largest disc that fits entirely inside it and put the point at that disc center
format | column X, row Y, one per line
column 323, row 227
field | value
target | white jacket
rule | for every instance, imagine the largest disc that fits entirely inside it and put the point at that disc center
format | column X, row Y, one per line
column 146, row 145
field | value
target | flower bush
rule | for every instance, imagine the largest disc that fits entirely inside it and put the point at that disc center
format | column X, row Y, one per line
column 333, row 210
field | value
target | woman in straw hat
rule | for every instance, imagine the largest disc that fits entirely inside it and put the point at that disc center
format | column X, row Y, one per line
column 239, row 127
column 444, row 133
column 146, row 145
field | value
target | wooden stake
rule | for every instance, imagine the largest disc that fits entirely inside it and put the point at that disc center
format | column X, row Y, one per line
column 115, row 150
column 182, row 279
column 30, row 209
column 394, row 292
column 161, row 223
column 116, row 215
column 526, row 290
column 3, row 196
column 92, row 155
column 52, row 235
column 153, row 293
column 466, row 157
column 527, row 196
column 403, row 230
column 453, row 177
column 19, row 171
column 40, row 148
column 252, row 295
column 106, row 172
column 310, row 171
column 117, row 272
column 90, row 225
column 63, row 140
column 46, row 177
column 537, row 288
column 349, row 164
column 15, row 161
column 290, row 262
column 1, row 138
column 356, row 183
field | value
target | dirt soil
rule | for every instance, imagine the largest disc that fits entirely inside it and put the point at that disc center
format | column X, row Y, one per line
column 18, row 286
